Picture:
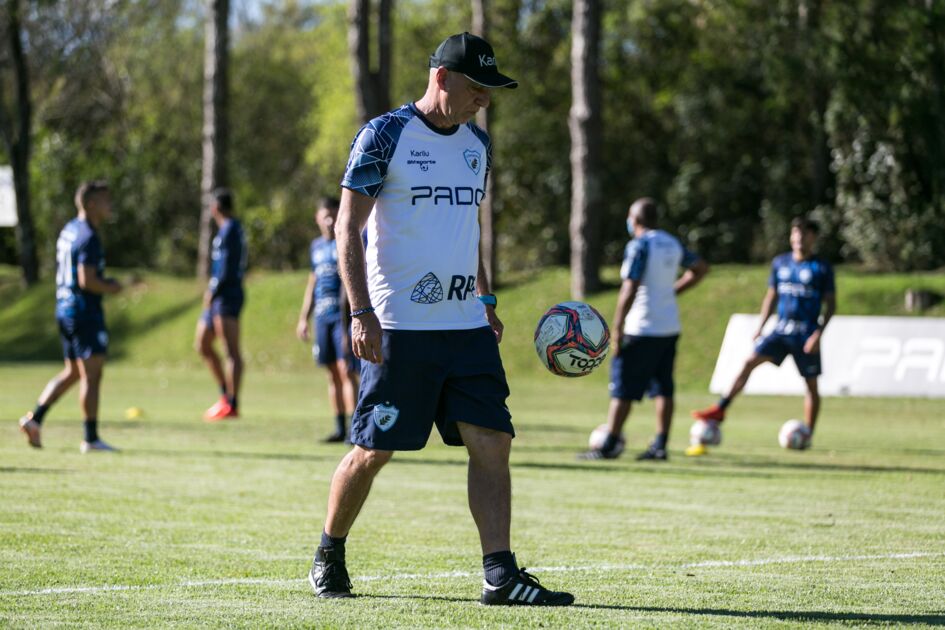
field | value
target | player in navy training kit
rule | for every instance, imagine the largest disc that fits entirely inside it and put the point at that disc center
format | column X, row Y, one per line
column 223, row 301
column 80, row 285
column 416, row 177
column 646, row 327
column 803, row 285
column 323, row 295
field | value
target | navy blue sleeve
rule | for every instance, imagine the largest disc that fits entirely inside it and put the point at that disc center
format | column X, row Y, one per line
column 89, row 251
column 372, row 151
column 773, row 277
column 829, row 282
column 634, row 263
column 689, row 258
column 480, row 133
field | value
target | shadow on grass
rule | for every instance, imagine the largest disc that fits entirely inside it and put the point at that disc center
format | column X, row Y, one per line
column 24, row 340
column 822, row 467
column 34, row 471
column 936, row 619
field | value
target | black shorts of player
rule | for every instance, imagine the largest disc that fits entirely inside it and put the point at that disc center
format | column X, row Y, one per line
column 224, row 306
column 431, row 377
column 777, row 346
column 83, row 336
column 643, row 365
column 332, row 344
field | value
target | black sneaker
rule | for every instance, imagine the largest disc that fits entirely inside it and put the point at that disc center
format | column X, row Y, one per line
column 329, row 577
column 335, row 438
column 599, row 453
column 523, row 590
column 653, row 453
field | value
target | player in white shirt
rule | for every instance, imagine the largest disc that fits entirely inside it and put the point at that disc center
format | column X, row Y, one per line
column 648, row 318
column 423, row 318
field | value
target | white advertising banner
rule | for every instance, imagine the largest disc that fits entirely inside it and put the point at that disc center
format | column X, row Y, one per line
column 861, row 356
column 8, row 215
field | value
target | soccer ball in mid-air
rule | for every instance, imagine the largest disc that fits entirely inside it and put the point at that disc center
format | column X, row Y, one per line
column 572, row 339
column 599, row 435
column 794, row 434
column 706, row 433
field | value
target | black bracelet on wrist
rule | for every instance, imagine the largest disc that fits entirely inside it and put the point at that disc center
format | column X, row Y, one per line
column 362, row 311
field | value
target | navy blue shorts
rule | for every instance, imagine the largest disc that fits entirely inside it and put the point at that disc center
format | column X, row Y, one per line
column 229, row 306
column 330, row 345
column 777, row 346
column 82, row 337
column 427, row 378
column 643, row 365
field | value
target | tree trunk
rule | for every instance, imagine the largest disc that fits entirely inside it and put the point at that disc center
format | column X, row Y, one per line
column 584, row 123
column 371, row 88
column 215, row 135
column 15, row 126
column 487, row 250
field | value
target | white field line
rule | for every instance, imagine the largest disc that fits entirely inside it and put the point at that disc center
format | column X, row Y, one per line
column 469, row 574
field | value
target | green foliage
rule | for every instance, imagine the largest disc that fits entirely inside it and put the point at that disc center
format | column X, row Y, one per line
column 736, row 115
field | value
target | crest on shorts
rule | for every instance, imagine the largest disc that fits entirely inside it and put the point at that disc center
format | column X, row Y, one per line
column 473, row 160
column 385, row 416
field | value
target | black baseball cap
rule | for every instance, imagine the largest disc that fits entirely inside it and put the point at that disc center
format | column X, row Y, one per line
column 473, row 57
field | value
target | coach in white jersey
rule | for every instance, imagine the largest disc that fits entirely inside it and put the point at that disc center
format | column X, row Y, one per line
column 423, row 318
column 648, row 317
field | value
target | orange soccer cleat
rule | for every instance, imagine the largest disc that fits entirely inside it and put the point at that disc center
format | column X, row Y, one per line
column 221, row 410
column 715, row 412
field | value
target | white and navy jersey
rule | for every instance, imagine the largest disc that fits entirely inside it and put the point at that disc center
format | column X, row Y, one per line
column 654, row 259
column 423, row 235
column 323, row 255
column 78, row 244
column 801, row 286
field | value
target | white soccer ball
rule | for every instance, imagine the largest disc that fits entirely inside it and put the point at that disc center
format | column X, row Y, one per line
column 599, row 435
column 572, row 339
column 794, row 434
column 705, row 432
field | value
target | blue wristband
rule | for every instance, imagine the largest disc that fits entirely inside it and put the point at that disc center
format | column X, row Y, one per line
column 362, row 311
column 489, row 300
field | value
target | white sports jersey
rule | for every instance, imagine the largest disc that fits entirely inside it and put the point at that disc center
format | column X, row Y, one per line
column 423, row 235
column 654, row 259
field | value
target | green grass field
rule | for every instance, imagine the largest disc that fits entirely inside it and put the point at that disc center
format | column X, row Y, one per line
column 197, row 525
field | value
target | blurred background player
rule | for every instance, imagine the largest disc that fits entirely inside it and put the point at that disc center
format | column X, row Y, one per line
column 323, row 295
column 223, row 301
column 648, row 317
column 80, row 285
column 803, row 285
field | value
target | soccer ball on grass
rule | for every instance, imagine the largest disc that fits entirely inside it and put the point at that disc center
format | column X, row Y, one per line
column 599, row 435
column 794, row 435
column 705, row 433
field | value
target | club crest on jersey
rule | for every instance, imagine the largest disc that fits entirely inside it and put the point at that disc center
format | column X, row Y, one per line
column 428, row 290
column 473, row 160
column 804, row 275
column 385, row 416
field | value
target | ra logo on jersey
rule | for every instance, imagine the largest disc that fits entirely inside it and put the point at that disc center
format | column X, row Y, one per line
column 473, row 160
column 385, row 416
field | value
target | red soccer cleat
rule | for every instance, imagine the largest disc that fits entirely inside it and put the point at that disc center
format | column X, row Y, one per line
column 712, row 413
column 224, row 412
column 221, row 410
